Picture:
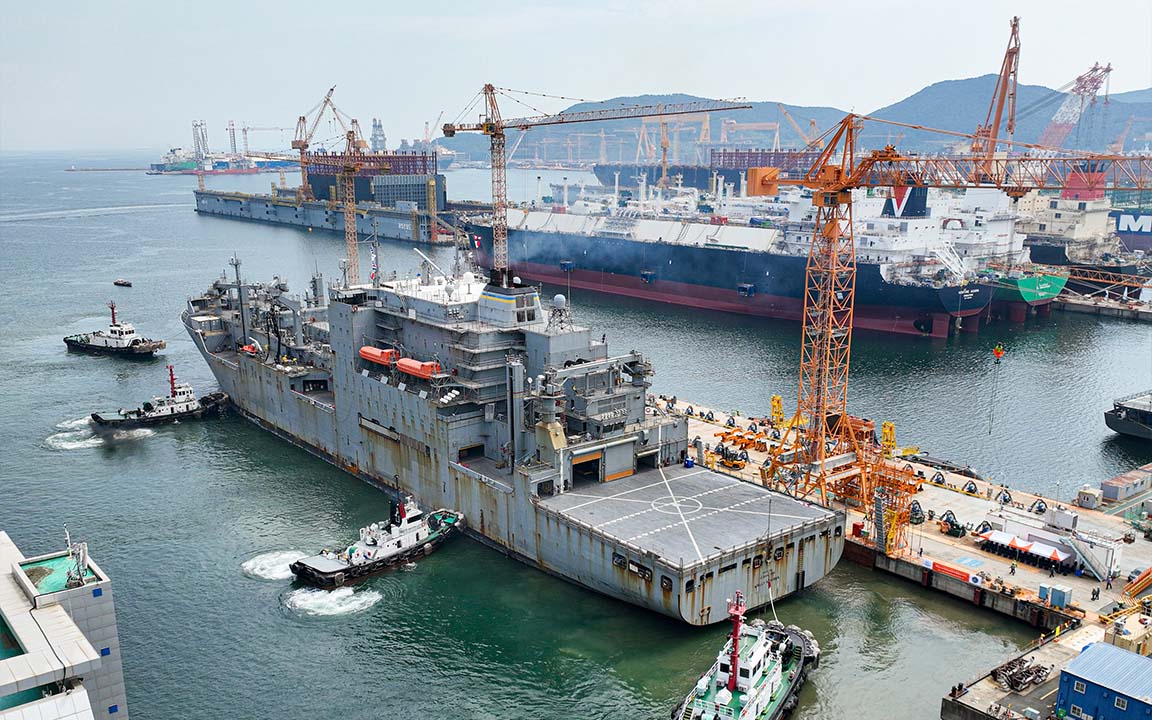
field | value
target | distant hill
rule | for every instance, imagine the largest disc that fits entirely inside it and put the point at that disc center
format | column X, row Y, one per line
column 957, row 105
column 1134, row 96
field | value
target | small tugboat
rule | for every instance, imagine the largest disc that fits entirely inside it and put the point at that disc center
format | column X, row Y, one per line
column 121, row 282
column 119, row 339
column 180, row 404
column 409, row 535
column 758, row 674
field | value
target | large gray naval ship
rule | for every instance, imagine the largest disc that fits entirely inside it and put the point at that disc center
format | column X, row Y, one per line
column 473, row 396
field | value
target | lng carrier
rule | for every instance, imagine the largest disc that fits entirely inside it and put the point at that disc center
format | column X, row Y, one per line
column 482, row 398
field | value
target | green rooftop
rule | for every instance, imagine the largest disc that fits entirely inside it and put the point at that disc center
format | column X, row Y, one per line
column 51, row 574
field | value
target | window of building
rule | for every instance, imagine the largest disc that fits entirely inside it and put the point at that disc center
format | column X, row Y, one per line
column 1082, row 206
column 1043, row 227
column 1076, row 711
column 1078, row 687
column 1058, row 216
column 1052, row 204
column 1121, row 703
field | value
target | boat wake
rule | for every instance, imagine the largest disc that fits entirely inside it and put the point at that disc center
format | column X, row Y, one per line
column 86, row 212
column 78, row 435
column 272, row 565
column 312, row 602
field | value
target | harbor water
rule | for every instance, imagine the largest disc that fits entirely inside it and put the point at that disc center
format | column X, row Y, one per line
column 197, row 523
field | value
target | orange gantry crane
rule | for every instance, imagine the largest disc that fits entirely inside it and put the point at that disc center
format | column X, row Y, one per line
column 833, row 453
column 493, row 125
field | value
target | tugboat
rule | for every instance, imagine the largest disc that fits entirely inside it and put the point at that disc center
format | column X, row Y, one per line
column 409, row 535
column 119, row 339
column 180, row 404
column 758, row 674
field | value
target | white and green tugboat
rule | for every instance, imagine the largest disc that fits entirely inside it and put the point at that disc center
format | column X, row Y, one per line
column 758, row 674
column 119, row 339
column 382, row 546
column 179, row 404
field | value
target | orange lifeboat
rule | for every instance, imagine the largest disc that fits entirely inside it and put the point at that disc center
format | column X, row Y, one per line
column 420, row 369
column 376, row 355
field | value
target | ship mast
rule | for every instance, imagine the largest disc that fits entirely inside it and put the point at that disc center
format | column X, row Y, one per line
column 736, row 609
column 112, row 307
column 172, row 379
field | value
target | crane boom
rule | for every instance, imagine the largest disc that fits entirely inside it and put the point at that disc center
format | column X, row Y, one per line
column 795, row 126
column 1003, row 99
column 494, row 126
column 830, row 452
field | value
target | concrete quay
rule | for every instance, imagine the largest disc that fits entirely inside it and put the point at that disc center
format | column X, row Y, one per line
column 1106, row 307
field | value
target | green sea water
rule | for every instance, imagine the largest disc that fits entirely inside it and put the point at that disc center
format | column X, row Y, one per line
column 196, row 523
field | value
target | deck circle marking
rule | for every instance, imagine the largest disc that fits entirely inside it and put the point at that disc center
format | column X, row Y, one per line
column 677, row 505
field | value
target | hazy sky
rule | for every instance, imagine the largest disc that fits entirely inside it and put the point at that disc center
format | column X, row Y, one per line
column 114, row 74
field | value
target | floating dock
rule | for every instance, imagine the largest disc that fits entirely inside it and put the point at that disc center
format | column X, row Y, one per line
column 417, row 226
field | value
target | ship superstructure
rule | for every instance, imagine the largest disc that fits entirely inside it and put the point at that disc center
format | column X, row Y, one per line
column 483, row 399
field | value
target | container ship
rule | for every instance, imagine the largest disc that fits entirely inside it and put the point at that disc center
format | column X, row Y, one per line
column 923, row 256
column 487, row 400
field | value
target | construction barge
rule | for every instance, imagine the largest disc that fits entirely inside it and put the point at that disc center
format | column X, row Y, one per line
column 479, row 397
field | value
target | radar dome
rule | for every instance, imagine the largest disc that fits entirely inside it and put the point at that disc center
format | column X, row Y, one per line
column 468, row 278
column 560, row 301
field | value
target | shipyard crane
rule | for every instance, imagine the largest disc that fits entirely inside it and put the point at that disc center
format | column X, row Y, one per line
column 1083, row 92
column 306, row 130
column 428, row 128
column 492, row 124
column 247, row 129
column 232, row 137
column 825, row 451
column 729, row 129
column 1003, row 105
column 1117, row 145
column 810, row 138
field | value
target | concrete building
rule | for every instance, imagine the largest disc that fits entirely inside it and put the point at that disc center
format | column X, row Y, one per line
column 1105, row 682
column 59, row 648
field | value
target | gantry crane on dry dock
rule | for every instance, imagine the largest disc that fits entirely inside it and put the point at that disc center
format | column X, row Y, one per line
column 494, row 126
column 833, row 453
column 306, row 130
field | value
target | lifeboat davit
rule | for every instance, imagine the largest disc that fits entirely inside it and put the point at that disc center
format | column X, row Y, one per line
column 379, row 356
column 420, row 369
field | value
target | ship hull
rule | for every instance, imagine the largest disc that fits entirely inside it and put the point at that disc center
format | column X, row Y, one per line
column 1118, row 422
column 1034, row 290
column 400, row 456
column 739, row 281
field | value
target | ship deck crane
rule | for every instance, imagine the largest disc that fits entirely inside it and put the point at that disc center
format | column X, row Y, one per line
column 832, row 454
column 494, row 126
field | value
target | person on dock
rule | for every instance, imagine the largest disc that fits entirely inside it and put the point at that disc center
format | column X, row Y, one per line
column 1052, row 571
column 1108, row 583
column 1012, row 568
